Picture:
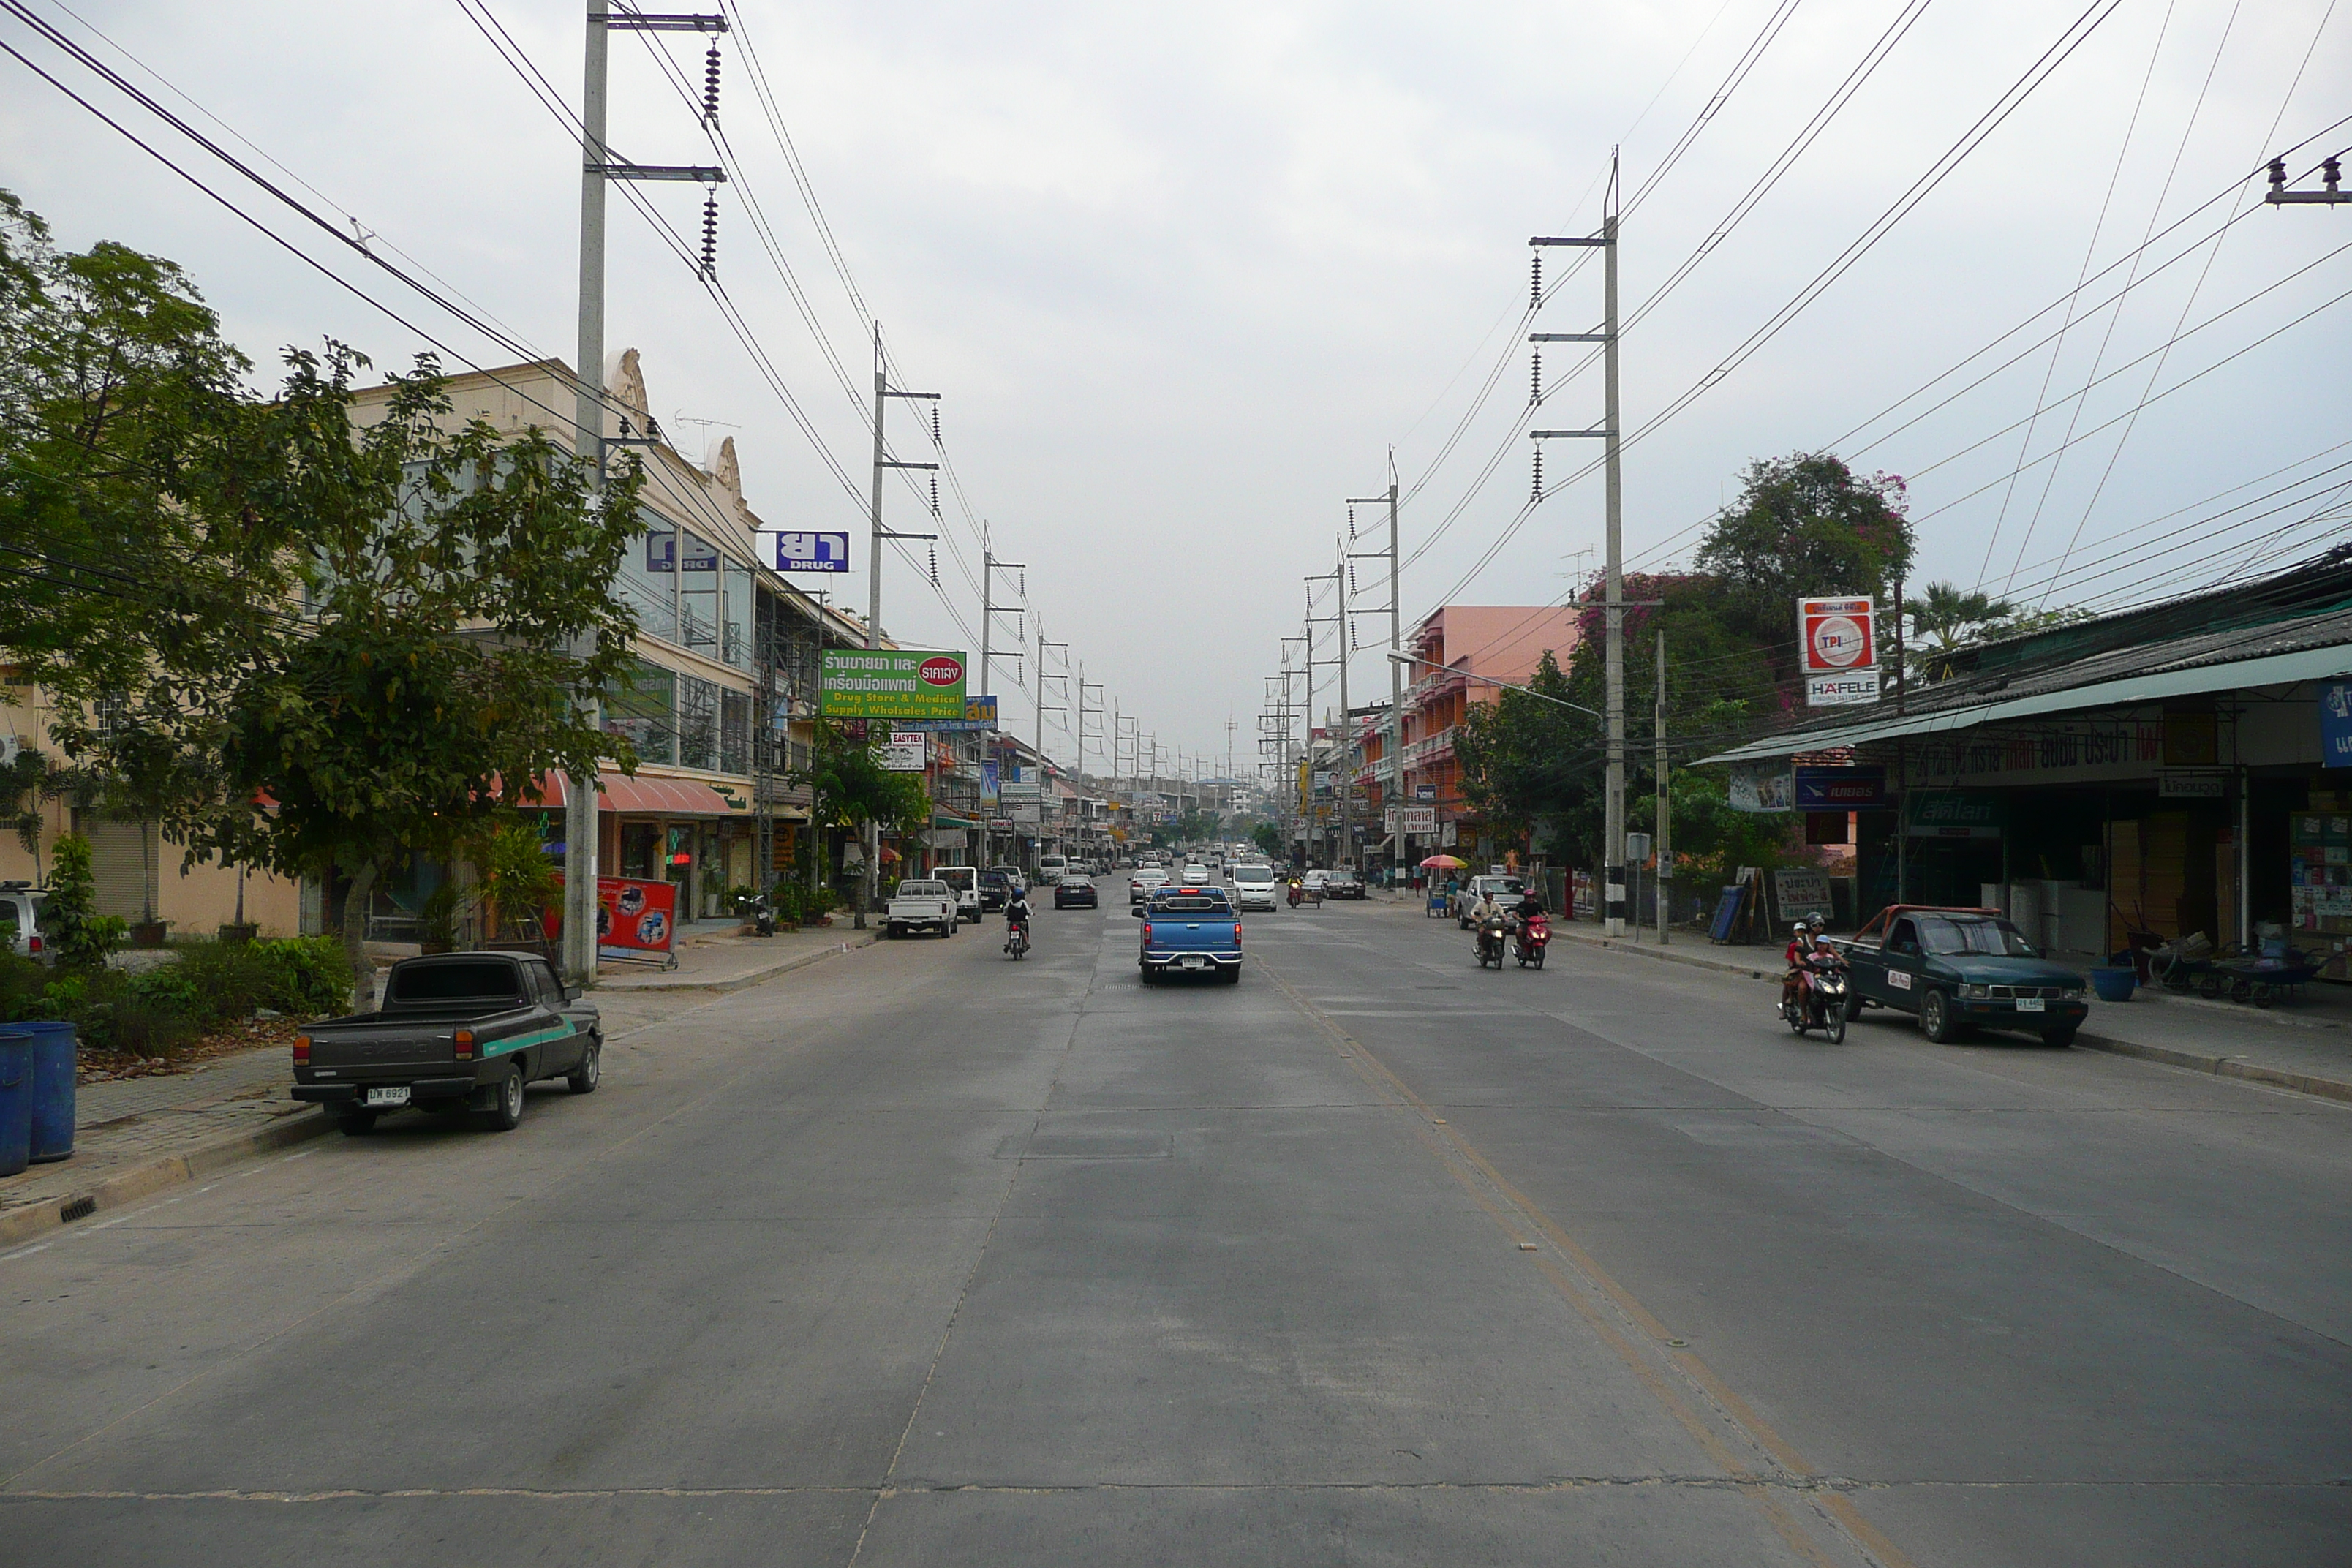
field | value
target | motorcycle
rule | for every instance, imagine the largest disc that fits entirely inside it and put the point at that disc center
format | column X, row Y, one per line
column 1490, row 942
column 1534, row 935
column 1822, row 1001
column 759, row 910
column 1296, row 894
column 1016, row 941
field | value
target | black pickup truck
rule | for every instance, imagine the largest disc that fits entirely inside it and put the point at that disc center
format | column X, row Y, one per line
column 457, row 1031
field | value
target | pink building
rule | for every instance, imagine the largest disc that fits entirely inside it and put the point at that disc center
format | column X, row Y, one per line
column 1499, row 642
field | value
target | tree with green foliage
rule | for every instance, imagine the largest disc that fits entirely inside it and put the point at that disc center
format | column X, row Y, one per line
column 78, row 936
column 1269, row 837
column 849, row 788
column 1803, row 525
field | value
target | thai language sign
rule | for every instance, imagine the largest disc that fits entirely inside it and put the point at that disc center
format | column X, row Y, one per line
column 890, row 683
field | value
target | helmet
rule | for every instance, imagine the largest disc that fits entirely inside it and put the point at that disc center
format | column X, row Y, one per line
column 1816, row 922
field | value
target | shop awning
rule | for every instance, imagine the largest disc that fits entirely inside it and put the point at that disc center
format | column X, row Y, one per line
column 943, row 819
column 647, row 796
column 2277, row 670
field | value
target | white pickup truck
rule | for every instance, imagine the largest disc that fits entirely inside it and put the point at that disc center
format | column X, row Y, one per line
column 921, row 904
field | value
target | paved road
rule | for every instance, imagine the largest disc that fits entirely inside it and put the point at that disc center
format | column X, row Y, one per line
column 922, row 1256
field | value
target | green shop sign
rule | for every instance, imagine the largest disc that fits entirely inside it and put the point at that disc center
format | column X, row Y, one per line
column 890, row 683
column 1954, row 814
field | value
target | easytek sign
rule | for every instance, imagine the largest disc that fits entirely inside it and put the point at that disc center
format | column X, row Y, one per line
column 1837, row 646
column 890, row 683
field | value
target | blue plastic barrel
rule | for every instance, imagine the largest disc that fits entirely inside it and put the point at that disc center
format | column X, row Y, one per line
column 16, row 1101
column 53, row 1088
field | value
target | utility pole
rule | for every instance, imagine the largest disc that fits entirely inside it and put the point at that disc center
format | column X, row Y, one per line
column 1336, row 577
column 2331, row 171
column 1396, row 795
column 598, row 165
column 1666, row 876
column 1042, row 678
column 1613, row 590
column 882, row 462
column 989, row 567
column 1347, row 780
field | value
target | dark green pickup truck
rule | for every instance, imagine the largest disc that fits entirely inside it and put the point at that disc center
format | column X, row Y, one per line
column 457, row 1031
column 1960, row 969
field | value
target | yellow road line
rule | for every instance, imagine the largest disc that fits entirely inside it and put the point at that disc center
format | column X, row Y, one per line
column 1638, row 1338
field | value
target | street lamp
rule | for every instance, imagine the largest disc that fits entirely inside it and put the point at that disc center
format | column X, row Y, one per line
column 1507, row 686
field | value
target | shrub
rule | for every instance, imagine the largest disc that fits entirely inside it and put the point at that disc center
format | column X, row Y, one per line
column 82, row 937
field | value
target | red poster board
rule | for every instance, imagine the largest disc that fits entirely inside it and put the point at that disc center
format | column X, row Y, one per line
column 634, row 919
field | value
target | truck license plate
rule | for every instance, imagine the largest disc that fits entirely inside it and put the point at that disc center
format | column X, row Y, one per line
column 387, row 1099
column 1196, row 963
column 2028, row 1003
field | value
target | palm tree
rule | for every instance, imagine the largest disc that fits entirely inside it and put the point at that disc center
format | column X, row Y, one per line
column 1945, row 619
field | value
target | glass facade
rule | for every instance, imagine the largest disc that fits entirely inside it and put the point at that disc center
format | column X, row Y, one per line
column 645, row 710
column 735, row 616
column 697, row 596
column 648, row 580
column 697, row 722
column 734, row 731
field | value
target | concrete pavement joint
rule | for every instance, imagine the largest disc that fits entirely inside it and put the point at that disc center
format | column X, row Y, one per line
column 1638, row 1339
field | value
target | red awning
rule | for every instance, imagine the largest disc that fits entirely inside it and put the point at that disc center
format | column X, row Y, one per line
column 648, row 796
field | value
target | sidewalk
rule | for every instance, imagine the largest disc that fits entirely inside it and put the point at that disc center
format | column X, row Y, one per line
column 2308, row 1052
column 136, row 1136
column 732, row 962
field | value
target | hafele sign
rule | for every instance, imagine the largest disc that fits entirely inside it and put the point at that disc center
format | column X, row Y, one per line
column 1837, row 648
column 1841, row 688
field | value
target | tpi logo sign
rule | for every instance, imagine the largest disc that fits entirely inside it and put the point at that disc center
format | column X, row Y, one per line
column 1837, row 646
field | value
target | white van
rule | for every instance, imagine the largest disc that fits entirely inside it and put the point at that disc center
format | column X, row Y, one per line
column 1254, row 887
column 1050, row 868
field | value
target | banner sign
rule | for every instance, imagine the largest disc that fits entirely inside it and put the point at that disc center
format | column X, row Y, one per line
column 991, row 783
column 1837, row 648
column 1424, row 792
column 906, row 753
column 890, row 683
column 1839, row 789
column 2335, row 724
column 1417, row 819
column 1800, row 890
column 810, row 551
column 1769, row 786
column 632, row 918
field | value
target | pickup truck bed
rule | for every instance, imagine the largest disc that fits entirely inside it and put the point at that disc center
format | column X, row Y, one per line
column 457, row 1031
column 1190, row 931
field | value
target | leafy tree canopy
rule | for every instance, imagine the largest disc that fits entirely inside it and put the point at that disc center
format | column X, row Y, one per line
column 1803, row 525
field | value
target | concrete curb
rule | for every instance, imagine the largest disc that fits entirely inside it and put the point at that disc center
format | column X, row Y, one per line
column 2223, row 1066
column 2168, row 1055
column 169, row 1171
column 743, row 981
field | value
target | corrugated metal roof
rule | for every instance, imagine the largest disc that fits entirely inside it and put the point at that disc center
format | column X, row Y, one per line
column 2315, row 647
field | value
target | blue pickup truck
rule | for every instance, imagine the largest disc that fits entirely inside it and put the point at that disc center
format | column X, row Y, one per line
column 1190, row 931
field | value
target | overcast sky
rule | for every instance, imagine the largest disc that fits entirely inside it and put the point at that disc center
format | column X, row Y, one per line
column 1185, row 273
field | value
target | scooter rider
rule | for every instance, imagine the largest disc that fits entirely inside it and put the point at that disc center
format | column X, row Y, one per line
column 1806, row 948
column 1801, row 943
column 1016, row 915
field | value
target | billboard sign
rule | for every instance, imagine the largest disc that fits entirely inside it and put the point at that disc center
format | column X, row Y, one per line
column 634, row 919
column 1769, row 785
column 1837, row 646
column 890, row 683
column 1417, row 819
column 810, row 551
column 906, row 753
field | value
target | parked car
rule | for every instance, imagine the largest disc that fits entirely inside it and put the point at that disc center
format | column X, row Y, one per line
column 922, row 903
column 1074, row 892
column 1190, row 931
column 20, row 919
column 1146, row 878
column 995, row 890
column 1343, row 884
column 1505, row 890
column 1014, row 875
column 456, row 1030
column 1960, row 969
column 965, row 880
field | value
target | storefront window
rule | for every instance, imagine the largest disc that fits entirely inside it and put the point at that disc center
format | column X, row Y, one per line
column 734, row 731
column 697, row 595
column 712, row 884
column 641, row 844
column 648, row 579
column 697, row 722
